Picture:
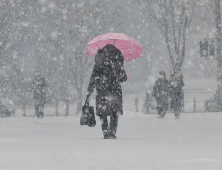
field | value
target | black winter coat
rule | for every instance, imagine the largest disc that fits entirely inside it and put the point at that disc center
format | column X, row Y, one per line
column 40, row 96
column 109, row 102
column 161, row 92
column 39, row 87
column 176, row 90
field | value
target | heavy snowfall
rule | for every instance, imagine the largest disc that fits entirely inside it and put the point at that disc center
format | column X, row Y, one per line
column 45, row 76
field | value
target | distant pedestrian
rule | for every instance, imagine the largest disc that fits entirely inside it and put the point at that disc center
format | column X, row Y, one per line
column 67, row 107
column 136, row 104
column 108, row 73
column 161, row 94
column 39, row 86
column 176, row 93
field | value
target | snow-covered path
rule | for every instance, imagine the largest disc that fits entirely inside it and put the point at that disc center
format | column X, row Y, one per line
column 144, row 142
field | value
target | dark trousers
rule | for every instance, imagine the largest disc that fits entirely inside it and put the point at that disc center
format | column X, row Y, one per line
column 177, row 109
column 112, row 125
column 161, row 111
column 162, row 107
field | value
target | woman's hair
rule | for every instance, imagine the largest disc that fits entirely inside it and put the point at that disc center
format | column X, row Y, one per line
column 113, row 53
column 109, row 53
column 109, row 49
column 99, row 57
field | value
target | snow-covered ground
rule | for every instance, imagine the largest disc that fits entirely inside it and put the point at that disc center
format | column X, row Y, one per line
column 144, row 142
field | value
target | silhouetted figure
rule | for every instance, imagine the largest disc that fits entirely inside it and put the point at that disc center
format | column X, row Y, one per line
column 67, row 107
column 108, row 73
column 136, row 104
column 161, row 94
column 39, row 86
column 176, row 93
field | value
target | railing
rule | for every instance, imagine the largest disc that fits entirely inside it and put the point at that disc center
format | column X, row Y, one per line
column 194, row 99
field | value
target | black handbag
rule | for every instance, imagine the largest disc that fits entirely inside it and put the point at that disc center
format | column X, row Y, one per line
column 88, row 115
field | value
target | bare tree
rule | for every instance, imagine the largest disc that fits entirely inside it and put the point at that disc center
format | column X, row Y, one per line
column 10, row 55
column 173, row 18
column 53, row 35
column 215, row 7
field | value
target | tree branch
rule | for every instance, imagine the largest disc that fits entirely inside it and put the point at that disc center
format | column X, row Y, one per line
column 174, row 29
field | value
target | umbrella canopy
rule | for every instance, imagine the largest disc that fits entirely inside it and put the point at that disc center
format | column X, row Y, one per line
column 129, row 47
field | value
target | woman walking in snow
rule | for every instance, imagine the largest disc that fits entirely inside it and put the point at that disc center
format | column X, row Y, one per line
column 108, row 73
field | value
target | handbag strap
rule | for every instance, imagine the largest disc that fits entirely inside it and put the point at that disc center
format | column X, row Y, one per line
column 87, row 100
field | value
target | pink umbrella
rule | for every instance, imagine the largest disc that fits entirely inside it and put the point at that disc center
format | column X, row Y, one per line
column 129, row 47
